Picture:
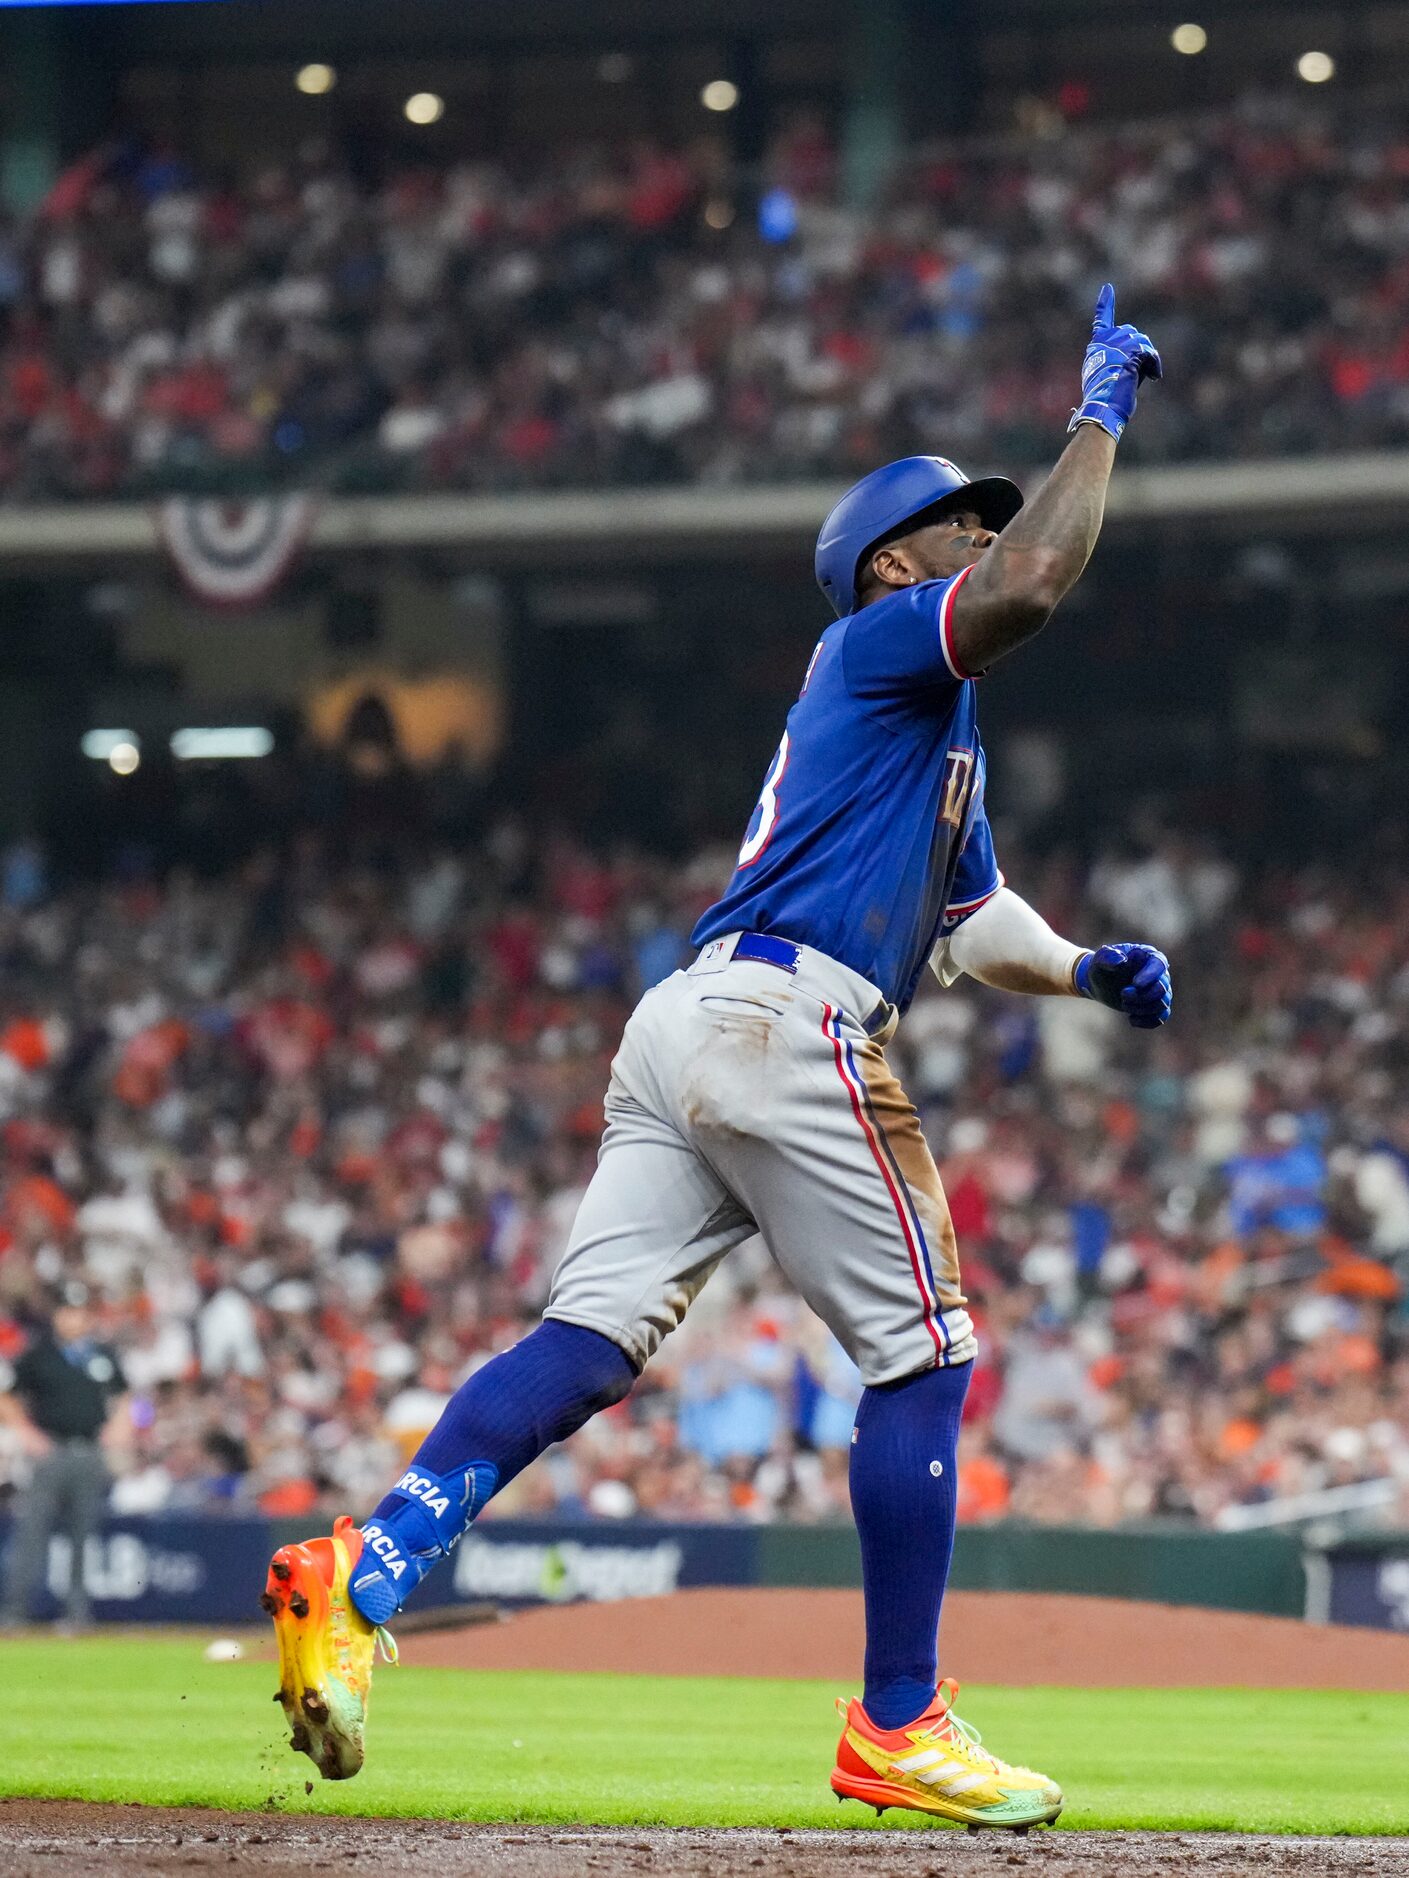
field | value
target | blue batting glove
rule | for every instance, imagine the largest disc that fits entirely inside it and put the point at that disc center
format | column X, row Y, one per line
column 1131, row 979
column 1117, row 360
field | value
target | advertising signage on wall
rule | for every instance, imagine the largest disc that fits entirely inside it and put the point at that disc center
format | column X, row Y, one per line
column 188, row 1570
column 1366, row 1582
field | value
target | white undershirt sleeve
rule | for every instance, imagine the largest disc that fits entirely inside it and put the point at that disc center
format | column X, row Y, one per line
column 1008, row 944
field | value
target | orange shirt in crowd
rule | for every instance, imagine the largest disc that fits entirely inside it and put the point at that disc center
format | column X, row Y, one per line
column 984, row 1489
column 25, row 1041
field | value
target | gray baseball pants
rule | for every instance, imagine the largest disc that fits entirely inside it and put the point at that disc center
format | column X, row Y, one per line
column 749, row 1098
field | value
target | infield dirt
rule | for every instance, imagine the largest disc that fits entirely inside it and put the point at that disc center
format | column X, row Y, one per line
column 1017, row 1639
column 61, row 1839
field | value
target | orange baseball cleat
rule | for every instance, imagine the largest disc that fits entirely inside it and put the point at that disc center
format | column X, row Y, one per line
column 326, row 1648
column 938, row 1765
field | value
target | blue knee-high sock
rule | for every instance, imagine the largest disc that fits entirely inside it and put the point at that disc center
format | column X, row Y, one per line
column 509, row 1411
column 903, row 1494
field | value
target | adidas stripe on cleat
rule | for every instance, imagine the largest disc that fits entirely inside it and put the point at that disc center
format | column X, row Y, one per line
column 939, row 1765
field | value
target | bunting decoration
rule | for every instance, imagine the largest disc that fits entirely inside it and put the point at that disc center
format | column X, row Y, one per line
column 235, row 553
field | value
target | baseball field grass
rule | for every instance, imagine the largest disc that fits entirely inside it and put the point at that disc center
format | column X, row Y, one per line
column 148, row 1719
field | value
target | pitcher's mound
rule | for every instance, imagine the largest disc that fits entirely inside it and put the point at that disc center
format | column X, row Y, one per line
column 1017, row 1638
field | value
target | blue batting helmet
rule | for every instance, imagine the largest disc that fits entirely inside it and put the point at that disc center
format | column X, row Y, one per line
column 881, row 505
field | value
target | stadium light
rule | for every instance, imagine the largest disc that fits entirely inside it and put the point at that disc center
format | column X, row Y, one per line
column 1316, row 67
column 100, row 744
column 424, row 107
column 314, row 80
column 718, row 212
column 123, row 758
column 720, row 94
column 1188, row 38
column 224, row 741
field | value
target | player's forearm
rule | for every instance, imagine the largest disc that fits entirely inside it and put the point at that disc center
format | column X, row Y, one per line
column 1038, row 558
column 1008, row 944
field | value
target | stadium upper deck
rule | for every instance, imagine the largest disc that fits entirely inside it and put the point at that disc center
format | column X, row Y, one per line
column 632, row 313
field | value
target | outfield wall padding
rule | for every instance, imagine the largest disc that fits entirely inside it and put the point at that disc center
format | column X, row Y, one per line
column 211, row 1570
column 1159, row 1562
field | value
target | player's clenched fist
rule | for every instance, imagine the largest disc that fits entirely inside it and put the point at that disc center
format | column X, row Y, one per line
column 1117, row 361
column 1131, row 979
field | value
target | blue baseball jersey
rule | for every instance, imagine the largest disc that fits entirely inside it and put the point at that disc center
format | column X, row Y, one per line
column 870, row 837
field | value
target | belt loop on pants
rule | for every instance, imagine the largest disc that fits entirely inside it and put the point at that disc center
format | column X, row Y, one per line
column 883, row 1018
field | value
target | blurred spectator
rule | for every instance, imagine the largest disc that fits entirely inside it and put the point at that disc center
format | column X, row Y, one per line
column 313, row 1175
column 600, row 321
column 1047, row 1406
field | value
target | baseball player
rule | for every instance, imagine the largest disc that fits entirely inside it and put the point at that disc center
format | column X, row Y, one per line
column 751, row 1093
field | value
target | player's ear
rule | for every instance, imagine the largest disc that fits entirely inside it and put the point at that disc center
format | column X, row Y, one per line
column 891, row 566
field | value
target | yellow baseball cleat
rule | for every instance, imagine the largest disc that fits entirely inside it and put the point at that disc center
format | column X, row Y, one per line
column 326, row 1648
column 938, row 1765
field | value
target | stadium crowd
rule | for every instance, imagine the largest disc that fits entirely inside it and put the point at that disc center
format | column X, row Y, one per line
column 309, row 1136
column 643, row 314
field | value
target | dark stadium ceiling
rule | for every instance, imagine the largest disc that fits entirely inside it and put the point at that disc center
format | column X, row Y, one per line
column 254, row 28
column 953, row 65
